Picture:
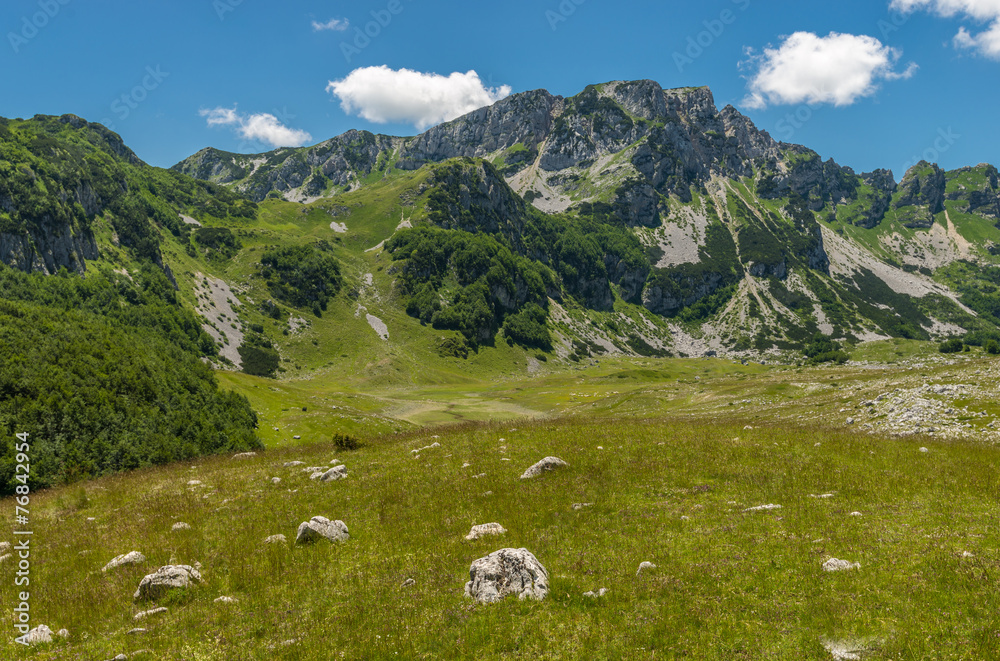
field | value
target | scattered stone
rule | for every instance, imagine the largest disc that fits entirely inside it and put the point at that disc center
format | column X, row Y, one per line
column 291, row 464
column 335, row 462
column 225, row 600
column 833, row 564
column 297, row 437
column 685, row 518
column 314, row 469
column 193, row 483
column 144, row 614
column 488, row 493
column 154, row 586
column 507, row 572
column 924, row 450
column 320, row 527
column 546, row 464
column 91, row 519
column 476, row 477
column 40, row 634
column 848, row 650
column 822, row 495
column 762, row 508
column 644, row 566
column 855, row 514
column 429, row 447
column 244, row 455
column 850, row 421
column 466, row 465
column 276, row 539
column 120, row 657
column 131, row 558
column 335, row 473
column 275, row 480
column 595, row 595
column 63, row 633
column 966, row 554
column 580, row 506
column 180, row 525
column 485, row 529
column 316, row 475
column 197, row 566
column 136, row 631
column 408, row 583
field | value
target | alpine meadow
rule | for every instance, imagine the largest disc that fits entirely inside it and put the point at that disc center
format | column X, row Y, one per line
column 610, row 373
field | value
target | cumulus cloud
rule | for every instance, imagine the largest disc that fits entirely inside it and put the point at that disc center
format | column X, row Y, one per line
column 382, row 95
column 838, row 69
column 986, row 42
column 335, row 24
column 261, row 126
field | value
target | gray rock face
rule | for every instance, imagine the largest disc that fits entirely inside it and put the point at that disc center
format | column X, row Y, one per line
column 156, row 585
column 335, row 473
column 546, row 464
column 921, row 194
column 507, row 572
column 131, row 558
column 320, row 527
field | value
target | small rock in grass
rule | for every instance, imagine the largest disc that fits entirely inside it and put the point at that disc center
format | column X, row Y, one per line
column 63, row 633
column 429, row 447
column 855, row 514
column 320, row 527
column 40, row 634
column 131, row 558
column 485, row 529
column 685, row 518
column 136, row 631
column 180, row 525
column 335, row 462
column 644, row 566
column 144, row 614
column 466, row 465
column 408, row 583
column 156, row 585
column 275, row 480
column 297, row 437
column 546, row 464
column 580, row 506
column 225, row 600
column 276, row 539
column 822, row 495
column 244, row 455
column 193, row 483
column 966, row 554
column 120, row 657
column 763, row 508
column 507, row 572
column 335, row 473
column 595, row 595
column 924, row 450
column 290, row 464
column 833, row 564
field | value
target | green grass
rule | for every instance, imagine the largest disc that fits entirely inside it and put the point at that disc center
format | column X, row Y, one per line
column 728, row 583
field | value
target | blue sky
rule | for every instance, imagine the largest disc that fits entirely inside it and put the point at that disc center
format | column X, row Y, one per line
column 894, row 84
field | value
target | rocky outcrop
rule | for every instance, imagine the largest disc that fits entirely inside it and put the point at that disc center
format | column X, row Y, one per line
column 920, row 195
column 49, row 249
column 320, row 527
column 170, row 577
column 507, row 572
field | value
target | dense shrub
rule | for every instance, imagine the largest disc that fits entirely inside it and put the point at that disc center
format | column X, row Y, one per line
column 302, row 275
column 954, row 345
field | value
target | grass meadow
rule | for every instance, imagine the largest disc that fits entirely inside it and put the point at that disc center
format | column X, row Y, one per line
column 729, row 583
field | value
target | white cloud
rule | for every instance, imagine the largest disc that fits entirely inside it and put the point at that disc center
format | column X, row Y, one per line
column 986, row 42
column 261, row 126
column 383, row 95
column 837, row 69
column 335, row 24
